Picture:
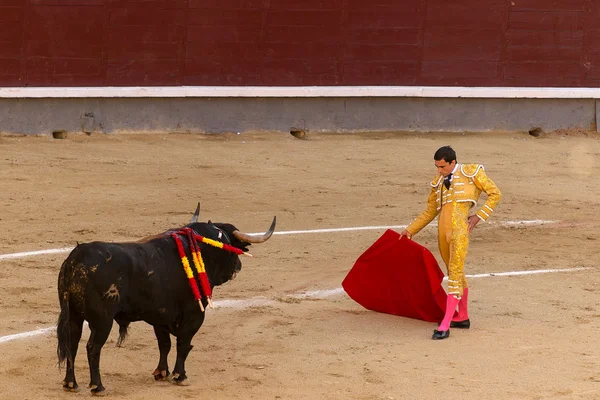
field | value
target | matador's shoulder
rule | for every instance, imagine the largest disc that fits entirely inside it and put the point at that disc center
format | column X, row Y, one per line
column 437, row 181
column 470, row 170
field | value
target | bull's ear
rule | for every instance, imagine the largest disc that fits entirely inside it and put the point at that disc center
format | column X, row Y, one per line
column 196, row 214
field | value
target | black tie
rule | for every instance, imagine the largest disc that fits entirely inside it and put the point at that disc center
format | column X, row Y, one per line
column 447, row 180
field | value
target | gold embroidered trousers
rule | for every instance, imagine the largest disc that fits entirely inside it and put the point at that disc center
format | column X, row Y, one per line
column 453, row 241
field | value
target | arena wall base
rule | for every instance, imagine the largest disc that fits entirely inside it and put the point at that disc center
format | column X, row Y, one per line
column 316, row 114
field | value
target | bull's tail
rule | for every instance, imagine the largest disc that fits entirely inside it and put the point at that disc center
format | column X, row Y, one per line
column 122, row 332
column 63, row 329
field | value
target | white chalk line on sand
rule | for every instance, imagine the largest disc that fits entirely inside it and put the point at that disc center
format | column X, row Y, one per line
column 313, row 294
column 4, row 339
column 326, row 230
column 257, row 302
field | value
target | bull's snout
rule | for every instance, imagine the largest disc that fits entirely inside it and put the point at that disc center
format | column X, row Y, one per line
column 237, row 268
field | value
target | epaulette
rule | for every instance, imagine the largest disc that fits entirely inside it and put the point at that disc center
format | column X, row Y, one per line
column 437, row 181
column 470, row 170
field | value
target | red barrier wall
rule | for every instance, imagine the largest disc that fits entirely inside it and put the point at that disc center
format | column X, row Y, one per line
column 302, row 42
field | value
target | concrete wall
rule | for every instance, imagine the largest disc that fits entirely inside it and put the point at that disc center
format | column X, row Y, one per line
column 333, row 114
column 127, row 44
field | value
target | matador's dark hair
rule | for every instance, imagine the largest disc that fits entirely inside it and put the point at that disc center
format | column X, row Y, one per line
column 445, row 153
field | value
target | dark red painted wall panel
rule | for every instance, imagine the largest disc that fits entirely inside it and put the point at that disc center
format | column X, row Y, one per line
column 225, row 51
column 302, row 51
column 11, row 15
column 229, row 4
column 144, row 16
column 135, row 51
column 300, row 34
column 546, row 20
column 399, row 73
column 444, row 73
column 383, row 5
column 305, row 4
column 386, row 52
column 392, row 36
column 534, row 38
column 10, row 68
column 146, row 34
column 475, row 15
column 72, row 47
column 390, row 19
column 10, row 46
column 18, row 3
column 550, row 5
column 163, row 4
column 225, row 18
column 206, row 71
column 302, row 42
column 10, row 50
column 64, row 3
column 538, row 74
column 143, row 72
column 461, row 44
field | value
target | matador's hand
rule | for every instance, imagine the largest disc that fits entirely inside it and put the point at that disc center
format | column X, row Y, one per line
column 472, row 222
column 405, row 233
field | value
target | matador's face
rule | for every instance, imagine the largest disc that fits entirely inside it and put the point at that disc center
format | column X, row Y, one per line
column 444, row 167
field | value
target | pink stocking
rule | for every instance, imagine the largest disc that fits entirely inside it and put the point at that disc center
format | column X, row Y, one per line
column 463, row 307
column 451, row 303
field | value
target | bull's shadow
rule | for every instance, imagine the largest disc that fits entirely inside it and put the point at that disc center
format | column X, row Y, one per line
column 165, row 280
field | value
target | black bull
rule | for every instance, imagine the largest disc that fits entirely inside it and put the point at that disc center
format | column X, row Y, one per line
column 140, row 281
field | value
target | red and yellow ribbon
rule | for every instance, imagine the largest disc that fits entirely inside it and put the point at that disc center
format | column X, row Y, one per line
column 198, row 262
column 188, row 271
column 199, row 265
column 220, row 245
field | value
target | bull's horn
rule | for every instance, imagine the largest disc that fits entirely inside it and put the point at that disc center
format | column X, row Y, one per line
column 244, row 237
column 196, row 214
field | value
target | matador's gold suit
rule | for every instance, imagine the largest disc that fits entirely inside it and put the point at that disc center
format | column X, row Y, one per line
column 453, row 205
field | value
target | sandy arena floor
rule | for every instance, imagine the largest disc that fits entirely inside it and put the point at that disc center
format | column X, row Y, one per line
column 533, row 336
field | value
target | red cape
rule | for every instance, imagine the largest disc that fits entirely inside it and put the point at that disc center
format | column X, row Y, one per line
column 398, row 277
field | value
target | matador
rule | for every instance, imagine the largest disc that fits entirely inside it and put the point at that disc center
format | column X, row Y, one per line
column 454, row 191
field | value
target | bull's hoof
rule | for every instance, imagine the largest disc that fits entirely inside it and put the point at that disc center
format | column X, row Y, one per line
column 180, row 380
column 71, row 386
column 161, row 375
column 97, row 390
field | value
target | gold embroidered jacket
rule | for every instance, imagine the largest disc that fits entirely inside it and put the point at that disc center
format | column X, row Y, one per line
column 468, row 182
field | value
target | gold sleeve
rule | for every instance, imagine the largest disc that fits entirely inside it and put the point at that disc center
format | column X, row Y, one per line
column 488, row 186
column 426, row 216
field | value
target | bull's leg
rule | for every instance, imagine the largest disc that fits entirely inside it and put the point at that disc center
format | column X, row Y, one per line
column 98, row 336
column 164, row 346
column 75, row 328
column 184, row 347
column 190, row 325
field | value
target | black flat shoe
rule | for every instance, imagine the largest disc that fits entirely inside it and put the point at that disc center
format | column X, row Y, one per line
column 439, row 335
column 466, row 324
